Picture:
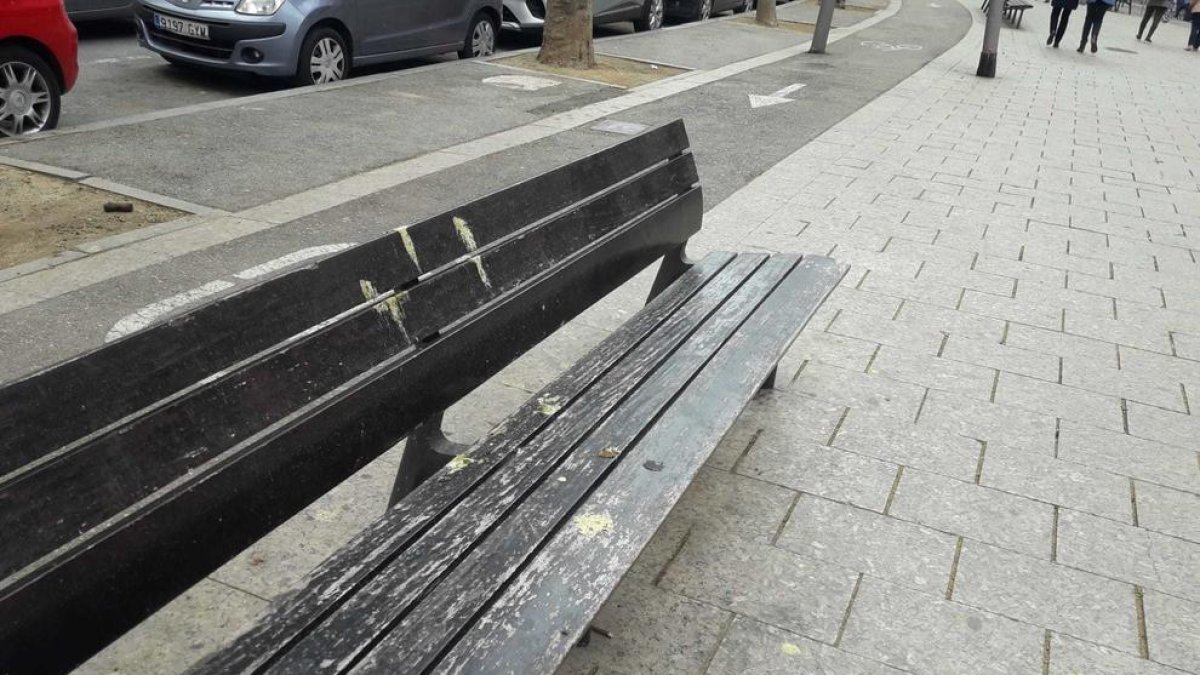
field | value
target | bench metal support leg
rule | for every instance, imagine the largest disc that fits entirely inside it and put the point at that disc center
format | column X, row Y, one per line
column 426, row 450
column 674, row 263
column 769, row 383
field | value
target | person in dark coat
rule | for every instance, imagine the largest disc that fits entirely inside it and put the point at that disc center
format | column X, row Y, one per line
column 1092, row 21
column 1154, row 11
column 1060, row 14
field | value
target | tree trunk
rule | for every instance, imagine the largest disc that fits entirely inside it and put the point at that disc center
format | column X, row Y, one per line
column 567, row 35
column 764, row 13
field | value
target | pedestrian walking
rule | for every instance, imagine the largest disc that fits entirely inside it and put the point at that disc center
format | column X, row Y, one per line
column 1060, row 14
column 1153, row 14
column 1194, row 38
column 1093, row 20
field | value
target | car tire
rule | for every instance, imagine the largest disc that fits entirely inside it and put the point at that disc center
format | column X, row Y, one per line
column 26, row 80
column 652, row 16
column 481, row 37
column 703, row 10
column 324, row 58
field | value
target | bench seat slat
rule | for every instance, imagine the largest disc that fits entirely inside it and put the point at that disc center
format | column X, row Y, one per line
column 551, row 602
column 343, row 574
column 420, row 636
column 375, row 608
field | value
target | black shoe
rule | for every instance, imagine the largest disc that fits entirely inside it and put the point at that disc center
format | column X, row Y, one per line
column 1050, row 39
column 1148, row 41
column 1056, row 45
column 1081, row 46
column 1093, row 46
column 1139, row 37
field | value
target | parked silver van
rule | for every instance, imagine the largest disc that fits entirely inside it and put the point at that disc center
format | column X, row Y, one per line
column 313, row 41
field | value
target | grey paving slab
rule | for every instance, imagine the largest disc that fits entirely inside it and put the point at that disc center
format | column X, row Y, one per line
column 810, row 467
column 859, row 390
column 1058, row 482
column 1128, row 384
column 925, row 634
column 1062, row 344
column 1163, row 425
column 1060, row 401
column 991, row 516
column 912, row 337
column 763, row 582
column 1049, row 595
column 653, row 631
column 900, row 441
column 1169, row 511
column 717, row 502
column 709, row 46
column 992, row 354
column 1006, row 308
column 822, row 347
column 1135, row 555
column 1129, row 456
column 797, row 415
column 993, row 422
column 206, row 616
column 1069, row 656
column 755, row 647
column 1150, row 338
column 1173, row 630
column 933, row 372
column 953, row 322
column 906, row 554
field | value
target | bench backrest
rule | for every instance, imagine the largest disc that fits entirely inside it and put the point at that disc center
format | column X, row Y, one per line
column 130, row 472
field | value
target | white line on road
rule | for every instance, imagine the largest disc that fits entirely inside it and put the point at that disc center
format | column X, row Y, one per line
column 154, row 311
column 759, row 101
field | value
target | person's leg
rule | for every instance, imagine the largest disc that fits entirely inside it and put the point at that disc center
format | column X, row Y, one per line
column 1062, row 26
column 1145, row 20
column 1194, row 41
column 1055, row 13
column 1088, row 17
column 1157, row 16
column 1101, row 10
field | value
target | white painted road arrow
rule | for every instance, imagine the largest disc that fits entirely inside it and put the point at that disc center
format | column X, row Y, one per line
column 778, row 97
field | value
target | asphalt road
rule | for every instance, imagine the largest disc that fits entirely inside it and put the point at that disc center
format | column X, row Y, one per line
column 117, row 78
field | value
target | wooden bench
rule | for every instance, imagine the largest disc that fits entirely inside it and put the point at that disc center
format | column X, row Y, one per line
column 131, row 472
column 1014, row 10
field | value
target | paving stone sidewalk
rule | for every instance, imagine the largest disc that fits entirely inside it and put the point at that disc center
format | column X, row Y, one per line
column 983, row 458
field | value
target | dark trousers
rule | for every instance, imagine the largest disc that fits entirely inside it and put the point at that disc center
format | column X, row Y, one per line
column 1092, row 20
column 1152, row 14
column 1059, row 16
column 1194, row 40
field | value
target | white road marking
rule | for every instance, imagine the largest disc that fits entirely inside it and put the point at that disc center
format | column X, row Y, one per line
column 151, row 313
column 889, row 47
column 520, row 82
column 290, row 259
column 624, row 128
column 759, row 101
column 119, row 59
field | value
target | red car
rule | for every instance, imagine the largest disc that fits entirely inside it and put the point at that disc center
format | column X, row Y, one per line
column 38, row 46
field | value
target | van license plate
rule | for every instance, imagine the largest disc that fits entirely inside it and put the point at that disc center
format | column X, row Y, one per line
column 180, row 27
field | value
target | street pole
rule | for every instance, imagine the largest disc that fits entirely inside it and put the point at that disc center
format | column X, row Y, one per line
column 821, row 31
column 991, row 39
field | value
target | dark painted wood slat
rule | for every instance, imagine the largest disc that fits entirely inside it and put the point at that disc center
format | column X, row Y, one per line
column 47, row 409
column 97, row 480
column 343, row 573
column 88, row 592
column 355, row 625
column 552, row 600
column 50, row 408
column 446, row 610
column 439, row 240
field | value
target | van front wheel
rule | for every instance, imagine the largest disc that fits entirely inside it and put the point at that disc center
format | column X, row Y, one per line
column 481, row 37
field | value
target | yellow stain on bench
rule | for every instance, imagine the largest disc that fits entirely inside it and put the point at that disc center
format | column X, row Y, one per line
column 459, row 463
column 408, row 245
column 465, row 234
column 593, row 524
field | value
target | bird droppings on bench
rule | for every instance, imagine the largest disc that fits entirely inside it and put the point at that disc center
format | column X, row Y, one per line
column 549, row 405
column 459, row 463
column 592, row 524
column 465, row 234
column 409, row 248
column 483, row 276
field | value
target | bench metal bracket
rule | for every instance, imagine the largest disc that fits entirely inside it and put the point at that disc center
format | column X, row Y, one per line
column 425, row 452
column 674, row 264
